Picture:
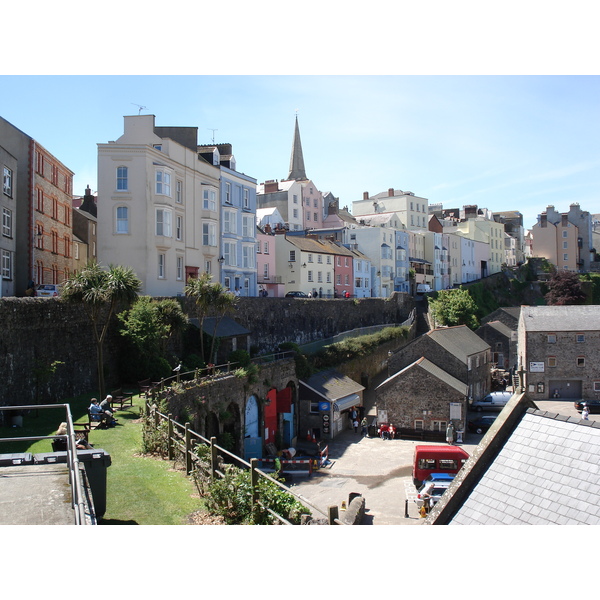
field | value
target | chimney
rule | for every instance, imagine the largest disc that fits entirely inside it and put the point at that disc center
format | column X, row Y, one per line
column 365, row 195
column 543, row 220
column 271, row 186
column 391, row 192
column 268, row 228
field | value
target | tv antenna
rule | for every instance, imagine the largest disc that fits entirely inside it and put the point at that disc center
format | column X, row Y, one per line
column 141, row 108
column 213, row 137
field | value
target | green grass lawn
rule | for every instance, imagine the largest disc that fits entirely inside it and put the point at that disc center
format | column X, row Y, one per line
column 140, row 490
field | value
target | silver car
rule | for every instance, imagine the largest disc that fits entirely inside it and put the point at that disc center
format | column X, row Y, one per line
column 48, row 290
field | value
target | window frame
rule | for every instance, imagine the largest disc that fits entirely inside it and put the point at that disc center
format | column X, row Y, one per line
column 122, row 178
column 120, row 220
column 7, row 176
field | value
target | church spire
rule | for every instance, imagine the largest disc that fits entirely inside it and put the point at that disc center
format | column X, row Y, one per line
column 297, row 171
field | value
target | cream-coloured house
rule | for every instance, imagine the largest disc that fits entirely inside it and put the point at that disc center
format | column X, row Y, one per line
column 158, row 206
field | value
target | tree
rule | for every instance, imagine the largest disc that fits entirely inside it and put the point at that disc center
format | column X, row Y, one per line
column 199, row 289
column 148, row 326
column 564, row 288
column 454, row 307
column 100, row 291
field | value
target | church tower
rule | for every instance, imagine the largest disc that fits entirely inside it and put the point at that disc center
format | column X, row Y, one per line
column 297, row 171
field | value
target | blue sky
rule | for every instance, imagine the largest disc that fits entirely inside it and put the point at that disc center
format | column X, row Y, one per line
column 501, row 142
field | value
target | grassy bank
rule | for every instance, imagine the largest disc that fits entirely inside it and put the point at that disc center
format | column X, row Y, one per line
column 140, row 490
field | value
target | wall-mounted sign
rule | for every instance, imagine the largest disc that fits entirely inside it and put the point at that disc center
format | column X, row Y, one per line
column 324, row 406
column 536, row 367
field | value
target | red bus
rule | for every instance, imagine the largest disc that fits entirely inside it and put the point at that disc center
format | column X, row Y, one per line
column 436, row 459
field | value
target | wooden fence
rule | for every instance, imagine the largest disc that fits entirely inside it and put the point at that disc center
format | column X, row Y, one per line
column 182, row 441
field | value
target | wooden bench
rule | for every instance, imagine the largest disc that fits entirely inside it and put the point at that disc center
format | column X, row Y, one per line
column 121, row 399
column 81, row 431
column 145, row 386
column 93, row 423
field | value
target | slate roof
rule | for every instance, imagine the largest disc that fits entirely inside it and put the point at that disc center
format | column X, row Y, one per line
column 432, row 369
column 226, row 328
column 561, row 318
column 547, row 472
column 459, row 341
column 499, row 327
column 332, row 385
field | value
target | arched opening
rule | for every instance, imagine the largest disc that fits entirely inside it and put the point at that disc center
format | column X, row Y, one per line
column 232, row 426
column 252, row 429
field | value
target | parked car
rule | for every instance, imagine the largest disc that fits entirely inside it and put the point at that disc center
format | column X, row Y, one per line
column 441, row 477
column 296, row 295
column 481, row 424
column 433, row 489
column 493, row 401
column 47, row 290
column 593, row 405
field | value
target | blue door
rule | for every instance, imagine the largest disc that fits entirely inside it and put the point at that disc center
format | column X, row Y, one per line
column 252, row 439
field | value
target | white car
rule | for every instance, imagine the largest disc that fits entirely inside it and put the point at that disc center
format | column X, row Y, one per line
column 48, row 290
column 493, row 401
column 433, row 490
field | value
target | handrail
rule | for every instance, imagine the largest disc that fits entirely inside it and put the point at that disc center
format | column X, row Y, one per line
column 75, row 480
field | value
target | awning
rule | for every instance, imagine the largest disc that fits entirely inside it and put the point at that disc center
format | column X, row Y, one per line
column 347, row 402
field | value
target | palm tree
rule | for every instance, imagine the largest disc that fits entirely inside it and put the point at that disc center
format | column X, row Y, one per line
column 223, row 303
column 199, row 289
column 100, row 291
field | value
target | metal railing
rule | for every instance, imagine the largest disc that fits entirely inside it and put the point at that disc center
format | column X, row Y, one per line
column 75, row 480
column 180, row 438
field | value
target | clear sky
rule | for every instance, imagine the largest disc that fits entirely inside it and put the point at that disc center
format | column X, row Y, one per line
column 456, row 102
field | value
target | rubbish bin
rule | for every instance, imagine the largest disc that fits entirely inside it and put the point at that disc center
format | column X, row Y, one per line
column 372, row 431
column 95, row 463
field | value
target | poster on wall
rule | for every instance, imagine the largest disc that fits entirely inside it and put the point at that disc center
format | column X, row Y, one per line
column 536, row 367
column 455, row 411
column 382, row 416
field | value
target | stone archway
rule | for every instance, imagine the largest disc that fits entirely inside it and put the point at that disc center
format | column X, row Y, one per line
column 232, row 424
column 211, row 425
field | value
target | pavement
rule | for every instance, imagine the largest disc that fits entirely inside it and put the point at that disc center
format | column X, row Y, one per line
column 379, row 470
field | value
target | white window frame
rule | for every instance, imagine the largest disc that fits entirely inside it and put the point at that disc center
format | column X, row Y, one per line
column 248, row 256
column 164, row 221
column 7, row 220
column 230, row 221
column 179, row 191
column 228, row 199
column 248, row 224
column 178, row 228
column 161, row 265
column 209, row 199
column 163, row 182
column 122, row 178
column 179, row 268
column 230, row 253
column 6, row 267
column 121, row 222
column 209, row 233
column 246, row 193
column 7, row 178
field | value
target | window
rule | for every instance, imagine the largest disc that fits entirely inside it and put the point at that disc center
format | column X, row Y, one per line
column 7, row 182
column 310, row 258
column 419, row 426
column 565, row 245
column 230, row 254
column 40, row 239
column 163, row 183
column 39, row 204
column 565, row 233
column 266, row 248
column 163, row 222
column 161, row 266
column 179, row 192
column 292, row 256
column 122, row 219
column 597, row 386
column 295, row 212
column 248, row 224
column 445, row 464
column 565, row 257
column 315, row 216
column 209, row 200
column 179, row 228
column 180, row 268
column 266, row 271
column 247, row 256
column 6, row 265
column 580, row 338
column 228, row 193
column 122, row 179
column 295, row 199
column 320, row 259
column 229, row 221
column 6, row 222
column 246, row 198
column 209, row 234
column 307, row 216
column 328, row 276
column 552, row 338
column 552, row 361
column 581, row 361
column 320, row 276
column 310, row 276
column 439, row 425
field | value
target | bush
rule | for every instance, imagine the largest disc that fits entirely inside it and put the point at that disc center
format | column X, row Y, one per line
column 239, row 358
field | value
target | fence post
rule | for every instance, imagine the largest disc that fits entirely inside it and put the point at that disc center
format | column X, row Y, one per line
column 333, row 514
column 188, row 449
column 254, row 483
column 170, row 437
column 156, row 416
column 213, row 457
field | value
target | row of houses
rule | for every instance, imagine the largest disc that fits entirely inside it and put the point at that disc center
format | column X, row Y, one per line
column 171, row 208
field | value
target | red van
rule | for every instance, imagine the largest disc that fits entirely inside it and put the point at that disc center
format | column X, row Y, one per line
column 436, row 459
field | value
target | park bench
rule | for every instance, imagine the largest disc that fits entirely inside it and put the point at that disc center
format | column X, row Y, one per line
column 121, row 399
column 145, row 386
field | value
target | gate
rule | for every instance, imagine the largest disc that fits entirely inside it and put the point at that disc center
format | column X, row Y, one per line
column 252, row 439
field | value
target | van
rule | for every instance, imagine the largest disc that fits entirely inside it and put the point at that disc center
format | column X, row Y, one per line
column 423, row 288
column 436, row 459
column 493, row 401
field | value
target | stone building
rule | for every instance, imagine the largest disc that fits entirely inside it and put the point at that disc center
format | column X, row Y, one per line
column 8, row 203
column 558, row 348
column 502, row 341
column 424, row 397
column 457, row 350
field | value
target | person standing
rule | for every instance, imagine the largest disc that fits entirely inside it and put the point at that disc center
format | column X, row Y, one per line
column 585, row 412
column 355, row 423
column 363, row 425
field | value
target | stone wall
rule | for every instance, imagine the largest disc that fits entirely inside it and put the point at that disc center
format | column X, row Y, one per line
column 38, row 331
